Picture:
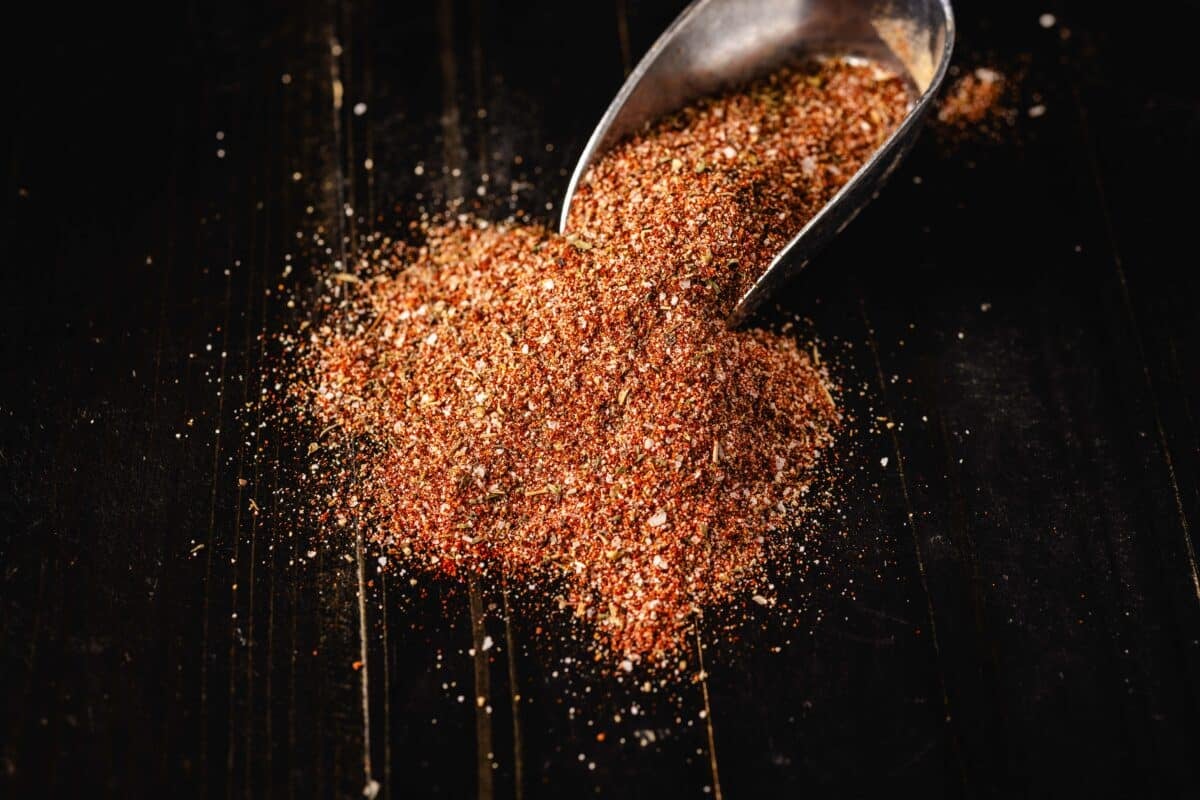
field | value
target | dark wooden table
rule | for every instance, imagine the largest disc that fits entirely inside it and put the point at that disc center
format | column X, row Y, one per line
column 1026, row 612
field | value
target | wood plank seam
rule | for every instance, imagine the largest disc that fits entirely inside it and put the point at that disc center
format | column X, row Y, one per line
column 910, row 518
column 1189, row 551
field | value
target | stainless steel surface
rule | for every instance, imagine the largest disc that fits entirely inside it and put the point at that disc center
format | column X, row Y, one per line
column 716, row 43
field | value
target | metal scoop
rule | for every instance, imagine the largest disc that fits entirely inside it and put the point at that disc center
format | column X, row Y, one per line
column 715, row 44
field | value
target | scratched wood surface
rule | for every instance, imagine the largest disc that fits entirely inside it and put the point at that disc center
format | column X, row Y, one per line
column 1026, row 612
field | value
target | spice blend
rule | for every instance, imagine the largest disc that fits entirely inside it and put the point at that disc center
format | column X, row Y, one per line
column 572, row 411
column 975, row 104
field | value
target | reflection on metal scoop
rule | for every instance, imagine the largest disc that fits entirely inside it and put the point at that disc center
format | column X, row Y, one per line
column 714, row 44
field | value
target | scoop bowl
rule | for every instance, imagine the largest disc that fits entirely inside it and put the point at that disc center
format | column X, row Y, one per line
column 716, row 44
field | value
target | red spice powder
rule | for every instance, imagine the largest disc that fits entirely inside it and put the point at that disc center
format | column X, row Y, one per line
column 719, row 188
column 573, row 411
column 974, row 102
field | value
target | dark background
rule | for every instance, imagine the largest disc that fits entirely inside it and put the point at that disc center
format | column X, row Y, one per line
column 1026, row 620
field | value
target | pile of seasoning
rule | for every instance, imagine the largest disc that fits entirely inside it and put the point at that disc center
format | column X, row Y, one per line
column 975, row 103
column 571, row 412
